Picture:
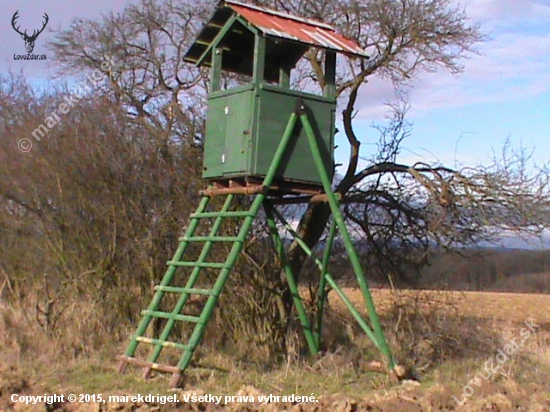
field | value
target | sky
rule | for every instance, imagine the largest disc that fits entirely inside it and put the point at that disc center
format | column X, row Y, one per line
column 503, row 92
column 458, row 120
column 60, row 12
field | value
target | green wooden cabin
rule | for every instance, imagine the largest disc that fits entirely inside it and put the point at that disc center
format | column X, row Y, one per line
column 245, row 123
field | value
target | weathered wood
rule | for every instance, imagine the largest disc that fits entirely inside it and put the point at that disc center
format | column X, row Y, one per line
column 176, row 380
column 323, row 198
column 232, row 191
column 148, row 365
column 318, row 198
column 251, row 186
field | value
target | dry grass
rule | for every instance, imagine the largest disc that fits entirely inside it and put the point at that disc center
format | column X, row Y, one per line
column 509, row 307
column 445, row 336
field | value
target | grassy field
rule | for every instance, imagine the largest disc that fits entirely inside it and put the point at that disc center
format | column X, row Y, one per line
column 492, row 306
column 443, row 339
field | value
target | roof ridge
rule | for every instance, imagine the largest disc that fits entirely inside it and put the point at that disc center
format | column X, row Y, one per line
column 282, row 14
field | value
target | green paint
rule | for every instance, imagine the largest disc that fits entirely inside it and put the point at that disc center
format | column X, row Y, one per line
column 322, row 294
column 285, row 143
column 245, row 126
column 354, row 259
column 293, row 286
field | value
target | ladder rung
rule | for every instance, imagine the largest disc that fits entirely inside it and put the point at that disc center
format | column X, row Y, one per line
column 167, row 315
column 221, row 214
column 152, row 365
column 210, row 239
column 176, row 345
column 189, row 291
column 215, row 265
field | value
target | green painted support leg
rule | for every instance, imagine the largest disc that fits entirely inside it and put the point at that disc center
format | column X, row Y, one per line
column 298, row 303
column 322, row 293
column 353, row 310
column 380, row 339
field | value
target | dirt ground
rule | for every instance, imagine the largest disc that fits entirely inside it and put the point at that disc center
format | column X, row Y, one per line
column 508, row 390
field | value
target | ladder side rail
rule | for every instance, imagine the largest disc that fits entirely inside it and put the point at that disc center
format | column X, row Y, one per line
column 198, row 332
column 144, row 324
column 191, row 281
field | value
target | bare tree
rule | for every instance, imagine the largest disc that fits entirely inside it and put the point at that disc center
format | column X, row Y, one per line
column 149, row 78
column 403, row 209
column 88, row 212
column 397, row 207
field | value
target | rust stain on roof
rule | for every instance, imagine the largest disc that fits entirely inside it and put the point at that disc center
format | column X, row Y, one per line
column 277, row 24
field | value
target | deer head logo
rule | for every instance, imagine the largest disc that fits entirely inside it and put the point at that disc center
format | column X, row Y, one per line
column 29, row 40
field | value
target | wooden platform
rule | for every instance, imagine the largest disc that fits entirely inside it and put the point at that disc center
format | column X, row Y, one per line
column 250, row 186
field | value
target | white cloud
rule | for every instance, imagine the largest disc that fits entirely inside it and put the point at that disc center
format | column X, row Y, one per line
column 513, row 65
column 497, row 12
column 512, row 71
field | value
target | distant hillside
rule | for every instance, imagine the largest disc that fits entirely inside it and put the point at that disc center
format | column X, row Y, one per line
column 494, row 269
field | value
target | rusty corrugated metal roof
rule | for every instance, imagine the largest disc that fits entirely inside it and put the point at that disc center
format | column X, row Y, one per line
column 232, row 27
column 277, row 24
